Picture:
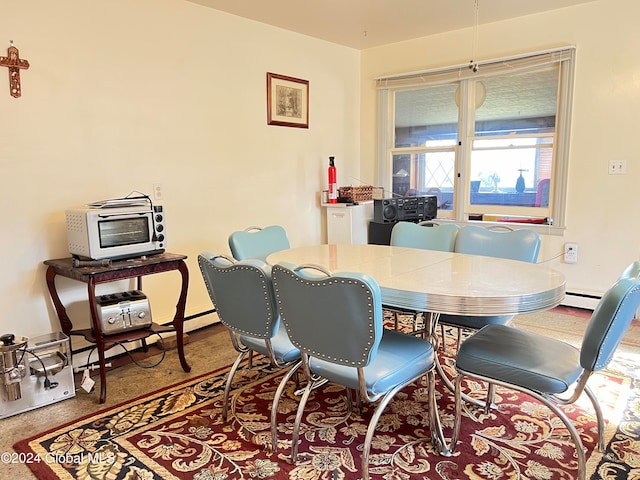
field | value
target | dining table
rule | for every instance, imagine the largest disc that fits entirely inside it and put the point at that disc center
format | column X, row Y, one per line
column 442, row 282
column 436, row 282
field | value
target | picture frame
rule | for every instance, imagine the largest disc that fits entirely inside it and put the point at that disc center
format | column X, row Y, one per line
column 287, row 101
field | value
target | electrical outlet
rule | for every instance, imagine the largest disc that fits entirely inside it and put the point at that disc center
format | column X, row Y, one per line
column 617, row 167
column 158, row 194
column 570, row 253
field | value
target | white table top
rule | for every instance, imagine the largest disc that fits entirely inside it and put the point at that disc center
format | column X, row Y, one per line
column 443, row 282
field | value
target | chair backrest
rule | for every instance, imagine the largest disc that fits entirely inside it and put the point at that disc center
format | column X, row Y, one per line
column 428, row 237
column 522, row 244
column 256, row 242
column 632, row 271
column 610, row 320
column 334, row 317
column 242, row 293
column 542, row 193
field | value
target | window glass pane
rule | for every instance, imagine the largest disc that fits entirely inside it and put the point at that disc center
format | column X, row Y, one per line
column 511, row 171
column 524, row 103
column 427, row 173
column 515, row 171
column 426, row 118
column 426, row 114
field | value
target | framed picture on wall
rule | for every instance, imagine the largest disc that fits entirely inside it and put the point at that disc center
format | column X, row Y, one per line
column 287, row 101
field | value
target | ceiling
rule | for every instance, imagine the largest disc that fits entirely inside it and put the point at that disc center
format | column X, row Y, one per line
column 362, row 24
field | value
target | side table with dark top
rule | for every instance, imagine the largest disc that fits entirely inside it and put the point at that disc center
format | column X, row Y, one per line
column 118, row 270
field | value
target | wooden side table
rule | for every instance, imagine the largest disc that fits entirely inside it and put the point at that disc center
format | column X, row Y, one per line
column 118, row 270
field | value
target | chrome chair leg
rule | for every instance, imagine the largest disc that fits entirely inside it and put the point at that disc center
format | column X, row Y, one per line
column 372, row 427
column 575, row 436
column 432, row 320
column 296, row 426
column 443, row 334
column 457, row 415
column 599, row 416
column 490, row 394
column 573, row 432
column 250, row 363
column 435, row 426
column 227, row 387
column 317, row 384
column 276, row 400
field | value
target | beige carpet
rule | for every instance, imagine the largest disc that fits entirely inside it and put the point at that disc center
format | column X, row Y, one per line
column 571, row 327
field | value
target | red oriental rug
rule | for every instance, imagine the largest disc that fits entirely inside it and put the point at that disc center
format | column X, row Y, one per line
column 178, row 432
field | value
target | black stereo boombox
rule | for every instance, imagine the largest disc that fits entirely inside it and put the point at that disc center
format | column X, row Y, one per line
column 412, row 209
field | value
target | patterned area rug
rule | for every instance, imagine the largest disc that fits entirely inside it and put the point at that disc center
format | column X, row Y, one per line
column 621, row 458
column 178, row 432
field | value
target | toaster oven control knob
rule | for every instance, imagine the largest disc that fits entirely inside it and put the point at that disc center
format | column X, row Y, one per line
column 159, row 218
column 160, row 228
column 161, row 238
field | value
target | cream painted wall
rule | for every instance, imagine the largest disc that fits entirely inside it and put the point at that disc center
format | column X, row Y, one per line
column 601, row 209
column 122, row 94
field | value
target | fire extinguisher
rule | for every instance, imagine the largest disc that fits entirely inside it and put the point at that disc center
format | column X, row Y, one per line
column 333, row 188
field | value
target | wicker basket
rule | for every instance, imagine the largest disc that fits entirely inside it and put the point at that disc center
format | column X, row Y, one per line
column 361, row 193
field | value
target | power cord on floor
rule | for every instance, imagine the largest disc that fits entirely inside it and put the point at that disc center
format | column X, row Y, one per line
column 164, row 351
column 48, row 384
column 128, row 352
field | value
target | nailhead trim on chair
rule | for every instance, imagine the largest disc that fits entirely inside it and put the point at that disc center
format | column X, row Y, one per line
column 604, row 361
column 324, row 283
column 233, row 268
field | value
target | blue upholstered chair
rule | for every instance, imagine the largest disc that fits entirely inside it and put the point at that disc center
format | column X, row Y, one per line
column 242, row 293
column 336, row 322
column 501, row 242
column 256, row 242
column 428, row 236
column 546, row 368
column 522, row 244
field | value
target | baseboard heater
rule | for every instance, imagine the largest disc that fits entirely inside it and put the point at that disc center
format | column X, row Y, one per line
column 581, row 300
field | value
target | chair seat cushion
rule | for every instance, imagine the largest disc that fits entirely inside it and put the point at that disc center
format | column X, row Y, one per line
column 400, row 358
column 521, row 358
column 283, row 349
column 472, row 322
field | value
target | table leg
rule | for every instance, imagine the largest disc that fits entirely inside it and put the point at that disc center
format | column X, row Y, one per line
column 433, row 325
column 178, row 320
column 97, row 333
column 103, row 373
column 65, row 322
column 435, row 425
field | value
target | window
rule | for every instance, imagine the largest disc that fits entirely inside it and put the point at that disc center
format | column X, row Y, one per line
column 492, row 145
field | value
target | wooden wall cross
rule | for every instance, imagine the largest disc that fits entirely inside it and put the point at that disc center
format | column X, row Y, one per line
column 15, row 64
